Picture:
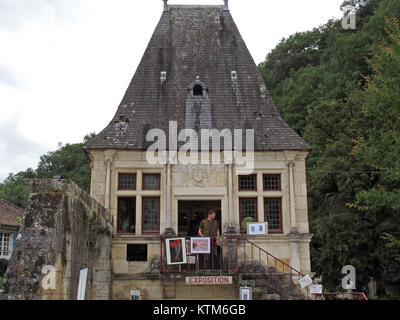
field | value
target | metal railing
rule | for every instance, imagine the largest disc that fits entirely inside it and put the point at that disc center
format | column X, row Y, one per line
column 236, row 255
column 274, row 273
column 197, row 264
column 340, row 296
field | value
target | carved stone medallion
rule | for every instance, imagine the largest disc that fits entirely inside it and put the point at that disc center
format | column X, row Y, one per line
column 199, row 175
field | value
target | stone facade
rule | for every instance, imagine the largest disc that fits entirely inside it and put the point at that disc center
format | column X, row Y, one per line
column 200, row 182
column 63, row 230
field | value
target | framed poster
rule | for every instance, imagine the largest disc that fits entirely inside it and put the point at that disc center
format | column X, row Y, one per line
column 200, row 245
column 257, row 228
column 176, row 251
column 245, row 293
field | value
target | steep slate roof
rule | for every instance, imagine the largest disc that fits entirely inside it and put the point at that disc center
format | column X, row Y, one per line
column 9, row 214
column 191, row 41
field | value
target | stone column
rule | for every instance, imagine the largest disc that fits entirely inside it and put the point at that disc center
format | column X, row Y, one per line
column 231, row 227
column 295, row 250
column 108, row 158
column 168, row 213
column 231, row 219
column 293, row 223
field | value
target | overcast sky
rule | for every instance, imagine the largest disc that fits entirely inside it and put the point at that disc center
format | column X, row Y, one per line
column 65, row 64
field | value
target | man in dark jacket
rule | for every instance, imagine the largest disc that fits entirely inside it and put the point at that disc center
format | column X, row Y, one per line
column 210, row 228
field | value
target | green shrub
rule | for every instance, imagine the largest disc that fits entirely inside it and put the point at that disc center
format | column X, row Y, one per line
column 245, row 221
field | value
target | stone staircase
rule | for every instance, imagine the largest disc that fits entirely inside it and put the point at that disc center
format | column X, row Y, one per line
column 272, row 286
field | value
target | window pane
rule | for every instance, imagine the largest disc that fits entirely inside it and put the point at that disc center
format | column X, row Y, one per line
column 247, row 182
column 271, row 182
column 4, row 244
column 127, row 215
column 127, row 182
column 151, row 182
column 151, row 210
column 248, row 208
column 273, row 214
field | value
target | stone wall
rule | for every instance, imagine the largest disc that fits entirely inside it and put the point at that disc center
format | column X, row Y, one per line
column 65, row 230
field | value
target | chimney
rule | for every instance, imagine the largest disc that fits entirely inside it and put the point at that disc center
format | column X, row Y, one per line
column 226, row 6
column 166, row 6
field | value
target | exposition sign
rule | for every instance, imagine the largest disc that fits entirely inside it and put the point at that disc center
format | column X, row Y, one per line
column 209, row 280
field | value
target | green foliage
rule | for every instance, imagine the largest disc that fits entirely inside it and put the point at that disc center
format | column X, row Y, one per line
column 340, row 90
column 245, row 221
column 393, row 243
column 70, row 161
column 379, row 147
column 14, row 189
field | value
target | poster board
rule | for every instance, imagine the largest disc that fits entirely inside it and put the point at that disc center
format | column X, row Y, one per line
column 135, row 295
column 176, row 251
column 257, row 228
column 305, row 281
column 200, row 245
column 316, row 288
column 246, row 293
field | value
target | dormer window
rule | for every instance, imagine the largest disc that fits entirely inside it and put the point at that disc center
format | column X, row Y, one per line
column 198, row 89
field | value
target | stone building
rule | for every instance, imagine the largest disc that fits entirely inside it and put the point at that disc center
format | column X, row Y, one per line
column 9, row 226
column 198, row 74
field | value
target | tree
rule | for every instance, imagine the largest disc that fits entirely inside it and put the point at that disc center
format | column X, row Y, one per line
column 352, row 180
column 13, row 189
column 379, row 147
column 70, row 161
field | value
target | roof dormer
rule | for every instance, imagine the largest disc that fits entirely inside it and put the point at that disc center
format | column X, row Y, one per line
column 198, row 89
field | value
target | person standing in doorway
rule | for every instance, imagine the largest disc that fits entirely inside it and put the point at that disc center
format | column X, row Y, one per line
column 210, row 228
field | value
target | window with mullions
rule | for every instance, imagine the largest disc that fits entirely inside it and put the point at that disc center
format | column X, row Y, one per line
column 151, row 215
column 126, row 181
column 151, row 182
column 248, row 183
column 248, row 208
column 126, row 215
column 4, row 244
column 272, row 182
column 273, row 214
